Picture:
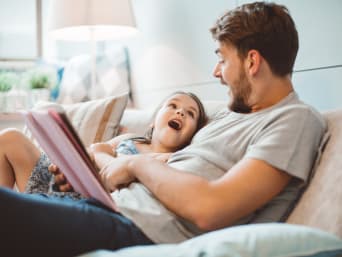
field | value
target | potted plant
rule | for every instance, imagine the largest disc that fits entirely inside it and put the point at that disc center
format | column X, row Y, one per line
column 7, row 81
column 39, row 82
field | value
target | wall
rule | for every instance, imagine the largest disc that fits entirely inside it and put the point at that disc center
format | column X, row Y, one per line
column 318, row 67
column 175, row 51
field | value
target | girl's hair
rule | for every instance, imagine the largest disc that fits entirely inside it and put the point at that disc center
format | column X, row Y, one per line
column 202, row 117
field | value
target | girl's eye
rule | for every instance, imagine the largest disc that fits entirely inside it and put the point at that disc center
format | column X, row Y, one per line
column 173, row 106
column 191, row 114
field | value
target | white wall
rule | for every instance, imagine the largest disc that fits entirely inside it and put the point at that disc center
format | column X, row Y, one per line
column 318, row 79
column 175, row 49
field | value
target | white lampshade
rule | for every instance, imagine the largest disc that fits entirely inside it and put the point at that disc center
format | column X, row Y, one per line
column 82, row 20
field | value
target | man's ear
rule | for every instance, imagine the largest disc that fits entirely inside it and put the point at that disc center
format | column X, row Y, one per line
column 253, row 61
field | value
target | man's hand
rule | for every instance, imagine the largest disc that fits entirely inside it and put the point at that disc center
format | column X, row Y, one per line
column 101, row 148
column 164, row 157
column 116, row 173
column 60, row 180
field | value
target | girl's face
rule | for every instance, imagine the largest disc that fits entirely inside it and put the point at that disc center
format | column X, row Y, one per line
column 175, row 123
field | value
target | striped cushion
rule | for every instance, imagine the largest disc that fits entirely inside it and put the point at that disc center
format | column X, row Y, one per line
column 94, row 121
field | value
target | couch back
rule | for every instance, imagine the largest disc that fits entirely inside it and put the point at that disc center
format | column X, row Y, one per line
column 319, row 205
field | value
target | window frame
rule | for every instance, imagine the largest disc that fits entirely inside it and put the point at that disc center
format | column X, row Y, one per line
column 23, row 62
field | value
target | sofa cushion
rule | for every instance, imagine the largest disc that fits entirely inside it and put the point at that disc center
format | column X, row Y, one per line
column 94, row 121
column 264, row 240
column 111, row 77
column 320, row 205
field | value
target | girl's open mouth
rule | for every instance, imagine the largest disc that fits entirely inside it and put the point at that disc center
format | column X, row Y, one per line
column 175, row 124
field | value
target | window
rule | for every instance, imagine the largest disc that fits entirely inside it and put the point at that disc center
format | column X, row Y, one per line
column 20, row 30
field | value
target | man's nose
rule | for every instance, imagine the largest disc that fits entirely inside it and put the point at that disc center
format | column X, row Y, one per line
column 217, row 71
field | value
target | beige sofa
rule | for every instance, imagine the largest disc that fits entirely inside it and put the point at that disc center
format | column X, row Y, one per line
column 319, row 206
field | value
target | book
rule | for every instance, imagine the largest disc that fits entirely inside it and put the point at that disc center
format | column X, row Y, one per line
column 59, row 140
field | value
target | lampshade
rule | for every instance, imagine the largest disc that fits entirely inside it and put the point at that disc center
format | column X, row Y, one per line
column 81, row 20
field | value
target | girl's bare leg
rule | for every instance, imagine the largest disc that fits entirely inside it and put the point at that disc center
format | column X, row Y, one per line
column 18, row 157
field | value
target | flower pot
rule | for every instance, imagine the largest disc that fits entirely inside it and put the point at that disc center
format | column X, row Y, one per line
column 39, row 94
column 3, row 101
column 17, row 99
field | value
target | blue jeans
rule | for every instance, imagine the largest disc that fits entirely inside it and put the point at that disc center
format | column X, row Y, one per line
column 37, row 225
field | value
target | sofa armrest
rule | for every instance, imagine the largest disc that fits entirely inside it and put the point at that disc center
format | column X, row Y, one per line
column 320, row 205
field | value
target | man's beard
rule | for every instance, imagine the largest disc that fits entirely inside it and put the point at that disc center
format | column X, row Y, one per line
column 240, row 95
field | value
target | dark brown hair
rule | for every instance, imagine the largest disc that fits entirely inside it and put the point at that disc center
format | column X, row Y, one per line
column 265, row 27
column 202, row 116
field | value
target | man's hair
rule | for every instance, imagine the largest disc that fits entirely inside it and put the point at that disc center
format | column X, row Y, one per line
column 265, row 27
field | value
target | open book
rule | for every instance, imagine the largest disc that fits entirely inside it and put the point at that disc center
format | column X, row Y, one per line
column 59, row 140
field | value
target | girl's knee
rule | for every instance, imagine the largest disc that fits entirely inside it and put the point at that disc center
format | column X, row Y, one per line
column 12, row 135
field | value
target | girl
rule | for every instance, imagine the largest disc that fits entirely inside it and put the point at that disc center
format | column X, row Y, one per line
column 175, row 122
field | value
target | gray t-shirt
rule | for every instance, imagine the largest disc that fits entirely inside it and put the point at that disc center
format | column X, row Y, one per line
column 286, row 136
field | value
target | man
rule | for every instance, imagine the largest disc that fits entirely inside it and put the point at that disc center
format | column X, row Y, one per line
column 245, row 166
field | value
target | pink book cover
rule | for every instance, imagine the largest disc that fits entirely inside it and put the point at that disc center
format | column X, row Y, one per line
column 61, row 143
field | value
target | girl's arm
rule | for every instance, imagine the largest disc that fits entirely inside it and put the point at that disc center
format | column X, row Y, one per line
column 100, row 153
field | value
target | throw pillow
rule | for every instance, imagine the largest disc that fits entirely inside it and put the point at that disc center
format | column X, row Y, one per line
column 94, row 121
column 111, row 77
column 258, row 240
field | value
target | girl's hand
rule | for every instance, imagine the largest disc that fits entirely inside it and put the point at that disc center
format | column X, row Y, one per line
column 60, row 180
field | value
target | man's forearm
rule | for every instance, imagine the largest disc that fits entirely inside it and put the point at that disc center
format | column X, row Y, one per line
column 211, row 204
column 102, row 159
column 182, row 193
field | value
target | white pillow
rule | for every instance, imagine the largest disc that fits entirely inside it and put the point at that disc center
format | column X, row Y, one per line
column 258, row 240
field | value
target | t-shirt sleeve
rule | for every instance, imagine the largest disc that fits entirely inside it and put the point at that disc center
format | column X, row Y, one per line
column 289, row 141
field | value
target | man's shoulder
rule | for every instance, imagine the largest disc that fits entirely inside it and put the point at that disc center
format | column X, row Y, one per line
column 300, row 113
column 302, row 110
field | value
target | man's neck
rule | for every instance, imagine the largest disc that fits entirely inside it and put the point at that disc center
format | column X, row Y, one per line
column 274, row 90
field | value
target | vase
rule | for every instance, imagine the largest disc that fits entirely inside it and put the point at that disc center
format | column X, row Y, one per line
column 3, row 101
column 17, row 99
column 39, row 94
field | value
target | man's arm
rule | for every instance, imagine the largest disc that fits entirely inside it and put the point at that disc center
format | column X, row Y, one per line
column 211, row 204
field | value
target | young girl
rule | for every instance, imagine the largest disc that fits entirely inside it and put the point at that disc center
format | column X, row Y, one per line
column 175, row 122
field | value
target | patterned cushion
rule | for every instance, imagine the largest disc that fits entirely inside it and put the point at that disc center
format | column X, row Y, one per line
column 111, row 77
column 94, row 121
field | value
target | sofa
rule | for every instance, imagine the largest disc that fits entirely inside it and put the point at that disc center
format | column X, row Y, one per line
column 313, row 227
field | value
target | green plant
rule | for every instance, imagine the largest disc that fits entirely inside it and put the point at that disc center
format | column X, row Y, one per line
column 40, row 78
column 7, row 81
column 40, row 81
